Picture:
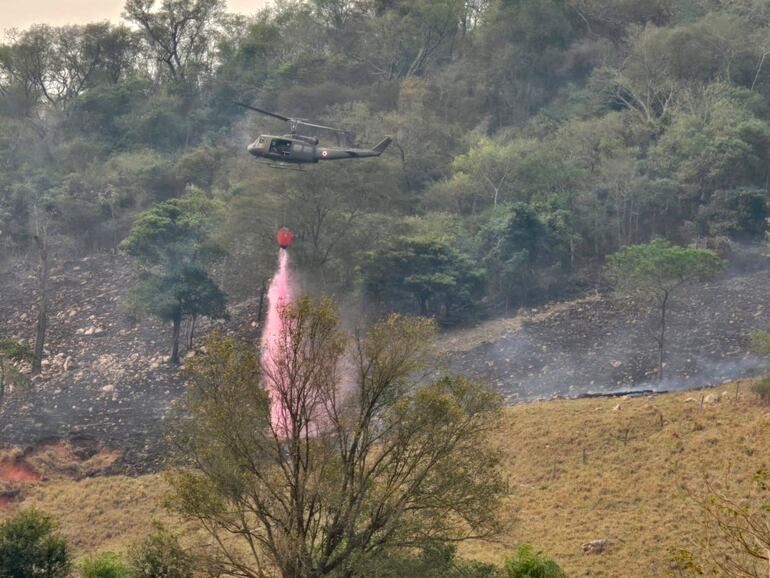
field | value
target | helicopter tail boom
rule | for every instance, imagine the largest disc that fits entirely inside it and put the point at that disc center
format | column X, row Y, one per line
column 333, row 153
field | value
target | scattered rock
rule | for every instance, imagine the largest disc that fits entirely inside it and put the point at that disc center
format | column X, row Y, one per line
column 596, row 546
column 109, row 388
column 617, row 407
column 712, row 398
column 93, row 331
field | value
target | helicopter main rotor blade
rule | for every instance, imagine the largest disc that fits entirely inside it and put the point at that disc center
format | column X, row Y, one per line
column 267, row 112
column 294, row 121
column 313, row 125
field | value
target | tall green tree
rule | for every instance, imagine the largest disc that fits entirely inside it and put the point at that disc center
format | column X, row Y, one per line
column 179, row 33
column 515, row 244
column 654, row 273
column 171, row 243
column 333, row 452
column 426, row 271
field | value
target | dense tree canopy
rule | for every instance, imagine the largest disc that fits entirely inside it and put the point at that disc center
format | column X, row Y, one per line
column 171, row 241
column 606, row 122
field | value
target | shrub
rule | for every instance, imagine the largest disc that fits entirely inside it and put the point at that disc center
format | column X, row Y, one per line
column 30, row 548
column 762, row 389
column 105, row 565
column 433, row 561
column 528, row 563
column 760, row 343
column 160, row 556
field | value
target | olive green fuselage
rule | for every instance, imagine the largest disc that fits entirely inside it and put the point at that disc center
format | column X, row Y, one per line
column 290, row 149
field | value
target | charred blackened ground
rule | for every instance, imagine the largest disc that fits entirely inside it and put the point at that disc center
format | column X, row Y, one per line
column 599, row 344
column 106, row 380
column 105, row 376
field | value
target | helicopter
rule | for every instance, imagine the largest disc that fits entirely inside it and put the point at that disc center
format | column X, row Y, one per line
column 295, row 148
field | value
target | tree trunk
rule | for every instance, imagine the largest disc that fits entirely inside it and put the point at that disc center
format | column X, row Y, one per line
column 191, row 335
column 662, row 334
column 2, row 382
column 42, row 311
column 175, row 338
column 261, row 310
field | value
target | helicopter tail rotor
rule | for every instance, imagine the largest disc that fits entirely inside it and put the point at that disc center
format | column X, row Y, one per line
column 382, row 145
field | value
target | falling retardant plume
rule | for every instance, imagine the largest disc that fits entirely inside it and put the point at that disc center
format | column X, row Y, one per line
column 278, row 297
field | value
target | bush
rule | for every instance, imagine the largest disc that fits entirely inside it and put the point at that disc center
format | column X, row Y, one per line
column 433, row 561
column 762, row 389
column 160, row 556
column 760, row 343
column 529, row 563
column 106, row 565
column 30, row 548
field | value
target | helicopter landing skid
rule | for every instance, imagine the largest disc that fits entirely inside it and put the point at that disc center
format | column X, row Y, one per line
column 284, row 167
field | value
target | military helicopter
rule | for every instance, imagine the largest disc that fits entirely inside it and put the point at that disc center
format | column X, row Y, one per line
column 295, row 148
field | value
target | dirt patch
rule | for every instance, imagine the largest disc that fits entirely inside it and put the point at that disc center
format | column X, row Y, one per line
column 14, row 471
column 15, row 475
column 76, row 459
column 52, row 460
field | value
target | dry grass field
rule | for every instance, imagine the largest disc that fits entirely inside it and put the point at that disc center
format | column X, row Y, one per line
column 622, row 470
column 625, row 470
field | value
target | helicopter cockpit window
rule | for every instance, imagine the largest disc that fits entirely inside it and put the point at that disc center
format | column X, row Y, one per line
column 260, row 141
column 280, row 146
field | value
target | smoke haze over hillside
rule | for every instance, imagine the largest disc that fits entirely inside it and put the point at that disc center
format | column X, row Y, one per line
column 56, row 13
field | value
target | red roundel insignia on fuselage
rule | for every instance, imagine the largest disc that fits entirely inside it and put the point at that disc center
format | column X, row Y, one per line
column 324, row 153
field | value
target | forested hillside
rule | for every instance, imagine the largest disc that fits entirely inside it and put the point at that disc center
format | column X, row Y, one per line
column 542, row 152
column 531, row 139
